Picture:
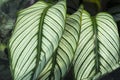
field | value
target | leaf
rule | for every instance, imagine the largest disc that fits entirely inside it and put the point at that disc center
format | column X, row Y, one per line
column 98, row 49
column 36, row 36
column 2, row 47
column 94, row 1
column 61, row 60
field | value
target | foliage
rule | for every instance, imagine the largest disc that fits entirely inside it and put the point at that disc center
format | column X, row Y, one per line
column 40, row 47
column 48, row 41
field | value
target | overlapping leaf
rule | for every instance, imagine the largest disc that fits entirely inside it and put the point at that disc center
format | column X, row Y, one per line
column 35, row 37
column 98, row 48
column 63, row 56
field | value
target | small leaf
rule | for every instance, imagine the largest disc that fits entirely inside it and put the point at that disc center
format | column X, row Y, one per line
column 2, row 47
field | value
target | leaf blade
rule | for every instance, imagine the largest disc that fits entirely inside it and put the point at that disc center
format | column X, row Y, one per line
column 33, row 42
column 96, row 53
column 62, row 58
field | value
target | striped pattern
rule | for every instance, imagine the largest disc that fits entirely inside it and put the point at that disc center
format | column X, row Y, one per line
column 62, row 58
column 98, row 48
column 36, row 36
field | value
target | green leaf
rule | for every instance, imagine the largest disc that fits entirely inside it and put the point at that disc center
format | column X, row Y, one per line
column 36, row 36
column 62, row 58
column 2, row 47
column 94, row 1
column 98, row 49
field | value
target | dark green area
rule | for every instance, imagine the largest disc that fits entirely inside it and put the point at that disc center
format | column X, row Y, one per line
column 8, row 14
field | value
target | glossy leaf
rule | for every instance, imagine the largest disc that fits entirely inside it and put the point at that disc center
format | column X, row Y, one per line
column 62, row 58
column 36, row 36
column 98, row 49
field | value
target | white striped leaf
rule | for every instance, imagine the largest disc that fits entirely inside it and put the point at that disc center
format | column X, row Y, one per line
column 98, row 48
column 36, row 36
column 62, row 58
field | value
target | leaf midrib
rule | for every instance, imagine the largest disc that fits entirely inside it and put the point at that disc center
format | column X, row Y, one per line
column 39, row 45
column 96, row 44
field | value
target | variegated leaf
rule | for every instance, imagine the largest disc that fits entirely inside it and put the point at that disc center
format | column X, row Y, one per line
column 98, row 49
column 36, row 36
column 62, row 58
